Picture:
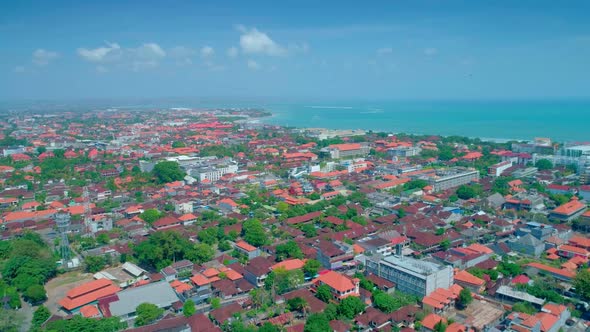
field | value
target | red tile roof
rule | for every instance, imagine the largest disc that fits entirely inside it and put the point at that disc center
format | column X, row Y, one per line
column 336, row 281
column 245, row 246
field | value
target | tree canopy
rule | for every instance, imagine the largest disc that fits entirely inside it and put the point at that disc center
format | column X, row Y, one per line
column 254, row 233
column 168, row 171
column 289, row 249
column 162, row 248
column 317, row 322
column 147, row 313
column 544, row 164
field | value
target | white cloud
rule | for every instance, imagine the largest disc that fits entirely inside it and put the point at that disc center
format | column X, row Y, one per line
column 110, row 52
column 43, row 57
column 430, row 51
column 145, row 56
column 232, row 52
column 207, row 51
column 253, row 64
column 384, row 51
column 150, row 51
column 253, row 41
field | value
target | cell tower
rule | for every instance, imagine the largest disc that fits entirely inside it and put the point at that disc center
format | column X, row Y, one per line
column 87, row 213
column 63, row 225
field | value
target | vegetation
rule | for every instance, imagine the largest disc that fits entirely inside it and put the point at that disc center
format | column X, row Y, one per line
column 390, row 303
column 465, row 298
column 147, row 313
column 168, row 171
column 254, row 233
column 162, row 248
column 80, row 324
column 544, row 164
column 317, row 322
column 40, row 315
column 351, row 306
column 290, row 249
column 188, row 309
column 323, row 293
column 582, row 283
column 524, row 307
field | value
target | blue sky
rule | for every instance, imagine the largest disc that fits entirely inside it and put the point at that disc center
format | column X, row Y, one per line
column 303, row 49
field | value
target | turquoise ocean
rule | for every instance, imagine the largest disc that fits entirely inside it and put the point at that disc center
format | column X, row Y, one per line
column 562, row 121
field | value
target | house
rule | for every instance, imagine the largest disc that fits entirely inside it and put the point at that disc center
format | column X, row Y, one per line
column 166, row 222
column 468, row 280
column 441, row 299
column 87, row 293
column 528, row 245
column 246, row 249
column 257, row 270
column 551, row 319
column 225, row 314
column 334, row 255
column 159, row 293
column 569, row 211
column 341, row 286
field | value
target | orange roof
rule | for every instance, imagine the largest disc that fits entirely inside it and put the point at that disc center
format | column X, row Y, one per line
column 432, row 302
column 89, row 296
column 570, row 207
column 89, row 311
column 182, row 288
column 358, row 249
column 480, row 248
column 244, row 245
column 232, row 275
column 88, row 287
column 186, row 217
column 336, row 281
column 346, row 147
column 431, row 320
column 210, row 272
column 580, row 240
column 21, row 215
column 290, row 264
column 466, row 277
column 567, row 247
column 544, row 267
column 200, row 280
column 456, row 289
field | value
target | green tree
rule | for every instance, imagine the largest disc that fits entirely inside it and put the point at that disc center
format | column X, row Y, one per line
column 150, row 215
column 268, row 327
column 10, row 320
column 311, row 267
column 582, row 283
column 465, row 298
column 309, row 230
column 188, row 309
column 415, row 184
column 331, row 311
column 103, row 238
column 289, row 249
column 94, row 263
column 445, row 244
column 168, row 171
column 202, row 253
column 524, row 307
column 317, row 322
column 147, row 313
column 296, row 304
column 254, row 233
column 323, row 293
column 81, row 324
column 41, row 315
column 466, row 192
column 441, row 326
column 178, row 144
column 544, row 164
column 215, row 303
column 351, row 306
column 35, row 294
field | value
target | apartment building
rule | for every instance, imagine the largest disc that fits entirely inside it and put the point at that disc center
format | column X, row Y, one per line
column 412, row 276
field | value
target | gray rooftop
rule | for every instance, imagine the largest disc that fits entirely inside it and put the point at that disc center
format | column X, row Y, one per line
column 158, row 293
column 422, row 267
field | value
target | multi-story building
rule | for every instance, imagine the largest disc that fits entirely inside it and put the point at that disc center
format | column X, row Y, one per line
column 451, row 178
column 214, row 173
column 341, row 286
column 412, row 276
column 334, row 255
column 497, row 169
column 349, row 150
column 404, row 151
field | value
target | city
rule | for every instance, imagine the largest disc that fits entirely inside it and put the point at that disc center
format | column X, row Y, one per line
column 211, row 220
